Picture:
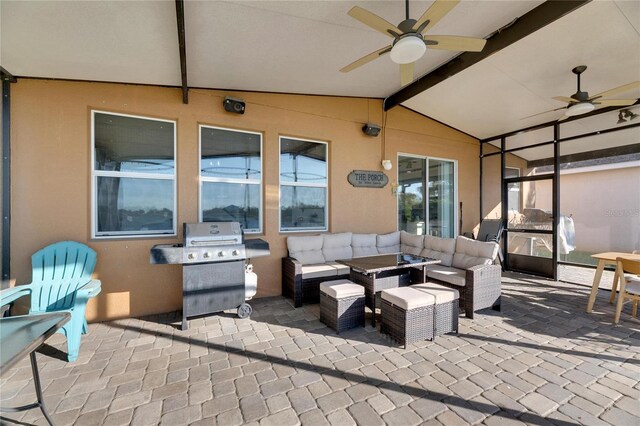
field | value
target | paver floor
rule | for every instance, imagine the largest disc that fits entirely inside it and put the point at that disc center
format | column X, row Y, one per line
column 542, row 360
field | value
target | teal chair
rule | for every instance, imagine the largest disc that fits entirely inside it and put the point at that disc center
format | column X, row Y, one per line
column 61, row 281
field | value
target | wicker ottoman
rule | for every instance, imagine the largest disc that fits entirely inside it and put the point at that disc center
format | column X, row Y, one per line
column 341, row 304
column 407, row 315
column 446, row 309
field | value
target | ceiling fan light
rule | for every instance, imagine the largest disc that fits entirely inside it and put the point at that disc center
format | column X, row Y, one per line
column 408, row 49
column 579, row 108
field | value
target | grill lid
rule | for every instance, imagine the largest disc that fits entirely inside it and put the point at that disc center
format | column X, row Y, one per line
column 212, row 234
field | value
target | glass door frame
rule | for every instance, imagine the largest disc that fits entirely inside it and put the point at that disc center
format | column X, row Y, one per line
column 456, row 214
column 542, row 266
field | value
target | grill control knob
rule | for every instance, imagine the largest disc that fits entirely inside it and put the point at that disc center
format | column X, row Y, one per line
column 235, row 253
column 191, row 256
column 206, row 255
column 221, row 254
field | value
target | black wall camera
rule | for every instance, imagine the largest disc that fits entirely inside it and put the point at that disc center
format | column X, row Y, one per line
column 233, row 105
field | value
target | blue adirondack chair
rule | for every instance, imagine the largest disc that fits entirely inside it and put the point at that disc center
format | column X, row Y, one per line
column 61, row 281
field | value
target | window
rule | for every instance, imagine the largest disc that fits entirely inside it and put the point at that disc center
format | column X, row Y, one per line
column 231, row 177
column 133, row 174
column 427, row 196
column 303, row 185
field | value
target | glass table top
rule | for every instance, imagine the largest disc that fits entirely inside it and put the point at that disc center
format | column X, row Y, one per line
column 385, row 262
column 22, row 334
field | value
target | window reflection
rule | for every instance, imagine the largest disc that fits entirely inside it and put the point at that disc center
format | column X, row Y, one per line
column 231, row 202
column 302, row 207
column 129, row 205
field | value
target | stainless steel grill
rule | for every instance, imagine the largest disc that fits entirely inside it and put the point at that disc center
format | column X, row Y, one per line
column 215, row 267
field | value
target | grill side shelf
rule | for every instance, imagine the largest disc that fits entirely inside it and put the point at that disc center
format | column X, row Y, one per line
column 162, row 254
column 256, row 247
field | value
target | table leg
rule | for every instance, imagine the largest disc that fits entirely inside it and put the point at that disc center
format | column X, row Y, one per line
column 36, row 382
column 596, row 284
column 614, row 286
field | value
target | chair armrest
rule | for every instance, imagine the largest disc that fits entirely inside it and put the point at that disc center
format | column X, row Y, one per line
column 90, row 289
column 482, row 275
column 9, row 295
column 292, row 280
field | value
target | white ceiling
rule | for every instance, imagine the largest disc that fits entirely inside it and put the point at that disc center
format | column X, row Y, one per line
column 299, row 46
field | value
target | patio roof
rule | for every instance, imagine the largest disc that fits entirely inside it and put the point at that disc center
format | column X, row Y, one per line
column 299, row 47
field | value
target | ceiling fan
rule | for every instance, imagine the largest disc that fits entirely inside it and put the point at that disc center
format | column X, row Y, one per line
column 581, row 103
column 409, row 38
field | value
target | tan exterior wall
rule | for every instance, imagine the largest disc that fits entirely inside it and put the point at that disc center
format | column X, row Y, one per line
column 606, row 216
column 51, row 170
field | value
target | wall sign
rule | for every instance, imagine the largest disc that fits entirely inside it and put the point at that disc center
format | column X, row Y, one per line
column 367, row 179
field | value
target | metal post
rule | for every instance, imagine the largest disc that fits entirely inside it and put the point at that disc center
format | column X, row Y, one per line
column 556, row 196
column 6, row 181
column 505, row 200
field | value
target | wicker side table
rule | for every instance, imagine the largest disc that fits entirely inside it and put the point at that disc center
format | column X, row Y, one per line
column 341, row 305
column 446, row 308
column 407, row 315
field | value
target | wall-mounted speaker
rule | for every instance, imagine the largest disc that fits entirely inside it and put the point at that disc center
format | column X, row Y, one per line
column 371, row 129
column 233, row 105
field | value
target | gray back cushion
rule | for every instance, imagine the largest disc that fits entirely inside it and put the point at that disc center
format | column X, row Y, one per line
column 307, row 250
column 337, row 246
column 471, row 253
column 439, row 248
column 364, row 245
column 410, row 243
column 388, row 243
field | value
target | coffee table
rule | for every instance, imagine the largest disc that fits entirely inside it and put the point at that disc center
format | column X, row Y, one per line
column 384, row 271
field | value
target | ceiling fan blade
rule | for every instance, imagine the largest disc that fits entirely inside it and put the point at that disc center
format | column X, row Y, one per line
column 366, row 59
column 540, row 113
column 564, row 99
column 459, row 43
column 434, row 14
column 406, row 73
column 615, row 102
column 619, row 89
column 374, row 21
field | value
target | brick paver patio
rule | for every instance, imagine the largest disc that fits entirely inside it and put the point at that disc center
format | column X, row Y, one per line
column 542, row 360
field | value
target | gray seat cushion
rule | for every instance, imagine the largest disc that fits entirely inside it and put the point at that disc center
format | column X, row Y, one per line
column 388, row 243
column 307, row 250
column 439, row 248
column 337, row 246
column 472, row 253
column 447, row 274
column 320, row 270
column 411, row 243
column 364, row 245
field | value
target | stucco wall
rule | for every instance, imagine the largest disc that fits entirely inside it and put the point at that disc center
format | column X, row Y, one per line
column 604, row 204
column 51, row 182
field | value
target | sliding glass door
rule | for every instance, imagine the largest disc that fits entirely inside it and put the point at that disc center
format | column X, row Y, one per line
column 427, row 196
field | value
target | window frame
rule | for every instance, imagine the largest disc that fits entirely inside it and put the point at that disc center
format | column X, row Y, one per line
column 259, row 182
column 304, row 185
column 456, row 208
column 95, row 174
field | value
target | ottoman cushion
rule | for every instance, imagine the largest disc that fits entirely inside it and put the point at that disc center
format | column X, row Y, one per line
column 441, row 293
column 341, row 288
column 408, row 298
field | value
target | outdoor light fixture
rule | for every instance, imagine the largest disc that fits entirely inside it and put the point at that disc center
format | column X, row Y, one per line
column 408, row 49
column 386, row 164
column 579, row 108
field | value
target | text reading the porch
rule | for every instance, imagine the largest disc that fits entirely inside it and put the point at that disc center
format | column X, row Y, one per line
column 367, row 179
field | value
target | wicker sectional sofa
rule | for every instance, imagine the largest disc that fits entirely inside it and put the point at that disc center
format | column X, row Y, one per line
column 466, row 265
